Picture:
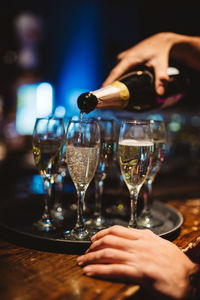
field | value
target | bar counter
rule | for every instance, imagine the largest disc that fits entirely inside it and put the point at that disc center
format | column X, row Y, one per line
column 28, row 273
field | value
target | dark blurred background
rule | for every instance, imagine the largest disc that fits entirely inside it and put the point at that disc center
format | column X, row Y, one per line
column 74, row 44
column 51, row 51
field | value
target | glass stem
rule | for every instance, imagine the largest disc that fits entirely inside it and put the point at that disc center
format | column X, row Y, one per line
column 147, row 197
column 98, row 197
column 59, row 183
column 60, row 186
column 52, row 192
column 47, row 185
column 80, row 202
column 133, row 204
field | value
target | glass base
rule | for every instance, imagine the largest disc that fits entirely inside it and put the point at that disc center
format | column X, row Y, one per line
column 132, row 224
column 58, row 213
column 77, row 234
column 96, row 224
column 148, row 221
column 44, row 225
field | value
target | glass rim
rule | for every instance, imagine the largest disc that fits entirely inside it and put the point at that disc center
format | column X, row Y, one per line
column 83, row 122
column 49, row 118
column 157, row 121
column 100, row 119
column 137, row 122
column 151, row 121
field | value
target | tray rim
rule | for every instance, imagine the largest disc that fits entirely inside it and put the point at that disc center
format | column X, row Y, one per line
column 60, row 241
column 178, row 213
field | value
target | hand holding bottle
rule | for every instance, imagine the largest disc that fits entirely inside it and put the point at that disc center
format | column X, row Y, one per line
column 141, row 89
column 155, row 52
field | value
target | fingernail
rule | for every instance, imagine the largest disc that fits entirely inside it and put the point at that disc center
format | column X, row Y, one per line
column 87, row 271
column 93, row 238
column 88, row 274
column 79, row 261
column 160, row 90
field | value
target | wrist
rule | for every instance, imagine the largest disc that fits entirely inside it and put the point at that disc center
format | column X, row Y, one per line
column 194, row 283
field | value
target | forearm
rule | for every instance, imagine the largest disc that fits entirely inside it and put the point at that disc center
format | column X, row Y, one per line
column 193, row 252
column 186, row 49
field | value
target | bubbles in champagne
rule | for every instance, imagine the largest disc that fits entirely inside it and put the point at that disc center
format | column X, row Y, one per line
column 134, row 158
column 80, row 127
column 82, row 163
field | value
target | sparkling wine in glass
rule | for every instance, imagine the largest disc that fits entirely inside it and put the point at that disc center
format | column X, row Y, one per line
column 82, row 155
column 135, row 148
column 47, row 141
column 147, row 218
column 107, row 152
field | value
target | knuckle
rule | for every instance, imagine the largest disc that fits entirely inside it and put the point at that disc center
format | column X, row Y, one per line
column 101, row 254
column 107, row 253
column 163, row 76
column 128, row 58
column 106, row 240
column 97, row 235
column 114, row 228
column 98, row 255
column 147, row 232
column 93, row 245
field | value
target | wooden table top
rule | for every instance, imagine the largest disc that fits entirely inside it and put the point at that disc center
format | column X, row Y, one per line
column 30, row 274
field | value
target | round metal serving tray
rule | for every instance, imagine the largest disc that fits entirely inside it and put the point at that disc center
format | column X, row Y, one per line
column 17, row 215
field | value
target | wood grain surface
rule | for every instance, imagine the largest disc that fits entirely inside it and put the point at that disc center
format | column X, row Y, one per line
column 28, row 274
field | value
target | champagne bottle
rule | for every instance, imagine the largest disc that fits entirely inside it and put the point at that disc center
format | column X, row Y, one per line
column 135, row 91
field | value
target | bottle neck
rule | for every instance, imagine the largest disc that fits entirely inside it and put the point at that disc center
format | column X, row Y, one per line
column 114, row 95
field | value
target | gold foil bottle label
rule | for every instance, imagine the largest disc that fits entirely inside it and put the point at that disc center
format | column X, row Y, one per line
column 114, row 95
column 124, row 92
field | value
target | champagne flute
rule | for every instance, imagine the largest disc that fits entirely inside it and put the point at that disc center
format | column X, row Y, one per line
column 48, row 136
column 147, row 218
column 58, row 212
column 135, row 149
column 107, row 152
column 82, row 155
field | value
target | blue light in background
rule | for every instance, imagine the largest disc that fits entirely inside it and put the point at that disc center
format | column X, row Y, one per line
column 60, row 112
column 34, row 100
column 37, row 185
column 44, row 99
column 81, row 68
